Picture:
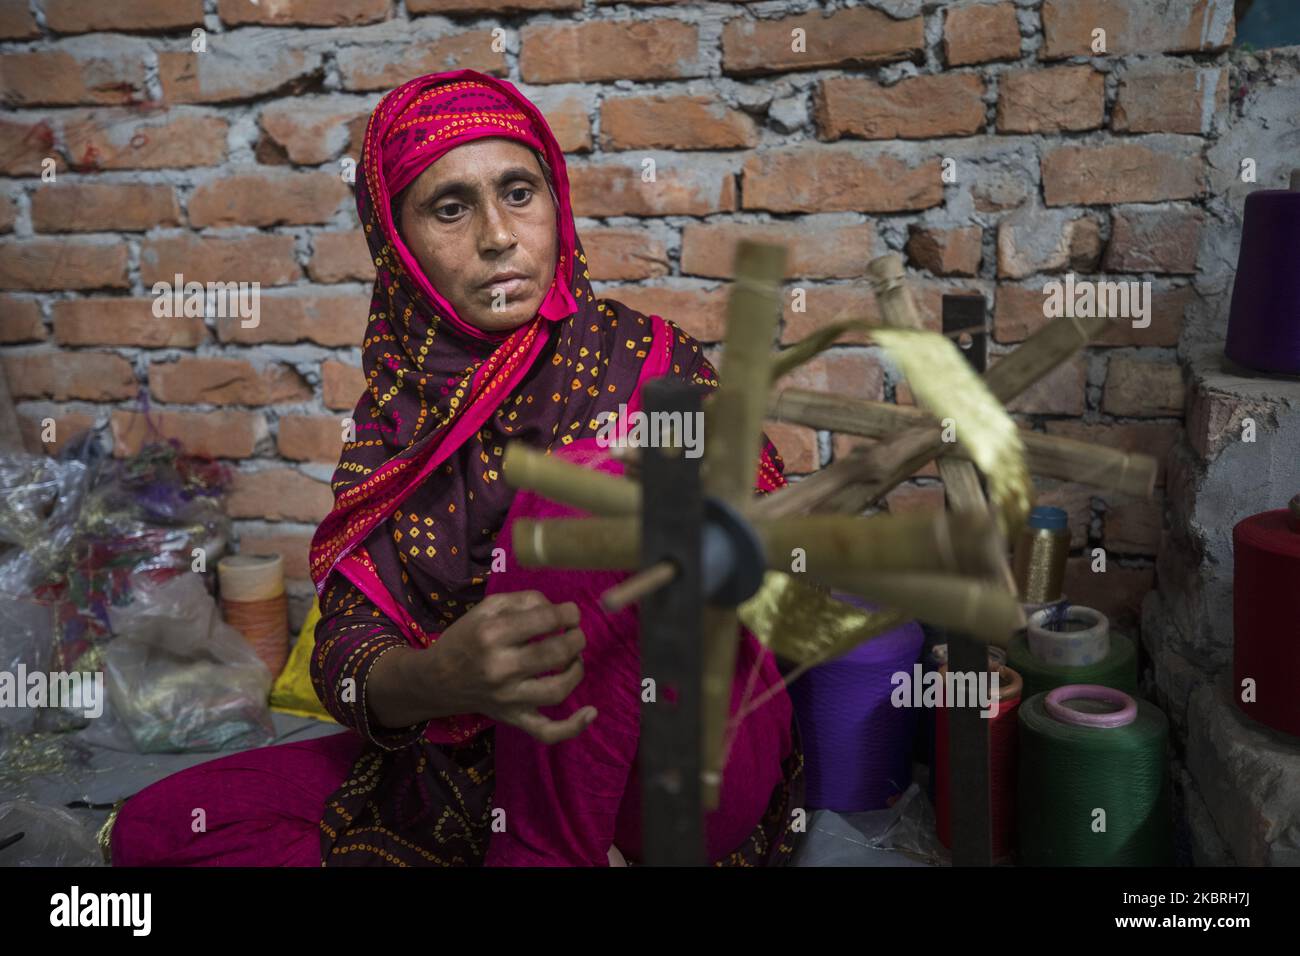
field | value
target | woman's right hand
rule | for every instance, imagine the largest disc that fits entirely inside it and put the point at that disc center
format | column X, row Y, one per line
column 485, row 663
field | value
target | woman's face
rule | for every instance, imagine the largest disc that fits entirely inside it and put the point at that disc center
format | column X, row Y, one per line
column 481, row 210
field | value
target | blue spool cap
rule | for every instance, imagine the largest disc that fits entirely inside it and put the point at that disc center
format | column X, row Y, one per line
column 1047, row 518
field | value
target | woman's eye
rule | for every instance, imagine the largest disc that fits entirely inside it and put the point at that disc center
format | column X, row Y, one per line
column 522, row 189
column 444, row 210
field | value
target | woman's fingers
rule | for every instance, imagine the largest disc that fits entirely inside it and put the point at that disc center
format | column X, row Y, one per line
column 553, row 731
column 550, row 654
column 552, row 689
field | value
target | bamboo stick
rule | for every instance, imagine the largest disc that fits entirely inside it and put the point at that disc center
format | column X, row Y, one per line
column 833, row 544
column 1050, row 456
column 733, row 426
column 967, row 605
column 568, row 483
column 593, row 543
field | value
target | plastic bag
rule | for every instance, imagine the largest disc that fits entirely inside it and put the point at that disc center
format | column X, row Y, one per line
column 178, row 677
column 33, row 835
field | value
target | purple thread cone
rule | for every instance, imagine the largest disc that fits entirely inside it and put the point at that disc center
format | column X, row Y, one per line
column 1264, row 322
column 858, row 746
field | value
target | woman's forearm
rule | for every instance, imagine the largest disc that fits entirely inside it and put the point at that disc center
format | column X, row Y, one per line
column 406, row 687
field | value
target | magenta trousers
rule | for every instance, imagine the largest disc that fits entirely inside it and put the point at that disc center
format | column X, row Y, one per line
column 564, row 804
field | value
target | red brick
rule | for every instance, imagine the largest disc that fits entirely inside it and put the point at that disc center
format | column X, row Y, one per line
column 67, row 426
column 842, row 445
column 674, row 122
column 340, row 257
column 825, row 305
column 123, row 322
column 78, row 16
column 661, row 49
column 700, row 312
column 104, row 207
column 306, row 13
column 63, row 77
column 918, row 107
column 796, row 444
column 1121, row 172
column 311, row 437
column 70, row 376
column 1052, row 100
column 1147, row 438
column 850, row 373
column 53, row 265
column 225, row 381
column 623, row 254
column 1132, row 526
column 1214, row 419
column 268, row 259
column 117, row 139
column 245, row 68
column 490, row 6
column 1118, row 593
column 945, row 252
column 293, row 547
column 278, row 494
column 1063, row 391
column 277, row 199
column 980, row 33
column 17, row 22
column 847, row 38
column 24, row 146
column 311, row 130
column 334, row 320
column 20, row 320
column 911, row 498
column 1019, row 314
column 1048, row 240
column 1153, row 240
column 8, row 213
column 223, row 433
column 838, row 178
column 1140, row 389
column 682, row 187
column 568, row 114
column 384, row 67
column 341, row 384
column 1169, row 100
column 1175, row 26
column 815, row 250
column 1072, row 497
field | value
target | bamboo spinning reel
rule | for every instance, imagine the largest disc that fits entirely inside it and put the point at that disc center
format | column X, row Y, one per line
column 946, row 569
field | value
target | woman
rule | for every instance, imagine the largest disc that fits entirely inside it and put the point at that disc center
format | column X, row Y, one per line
column 493, row 708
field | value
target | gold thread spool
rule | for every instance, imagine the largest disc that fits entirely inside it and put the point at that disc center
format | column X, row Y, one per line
column 1041, row 550
column 254, row 602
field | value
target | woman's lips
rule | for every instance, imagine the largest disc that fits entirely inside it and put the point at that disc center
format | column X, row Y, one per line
column 508, row 286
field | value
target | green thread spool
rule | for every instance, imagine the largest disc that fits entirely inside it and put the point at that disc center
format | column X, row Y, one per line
column 1070, row 772
column 1117, row 669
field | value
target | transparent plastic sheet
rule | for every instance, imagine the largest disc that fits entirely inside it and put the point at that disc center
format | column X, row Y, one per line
column 911, row 829
column 33, row 835
column 26, row 645
column 178, row 678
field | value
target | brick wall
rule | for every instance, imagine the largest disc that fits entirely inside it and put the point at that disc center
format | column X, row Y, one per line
column 225, row 165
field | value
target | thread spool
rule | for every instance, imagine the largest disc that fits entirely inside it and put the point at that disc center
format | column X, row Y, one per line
column 1041, row 550
column 1265, row 612
column 858, row 744
column 1071, row 636
column 254, row 602
column 1264, row 318
column 1003, row 745
column 1092, row 755
column 1118, row 669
